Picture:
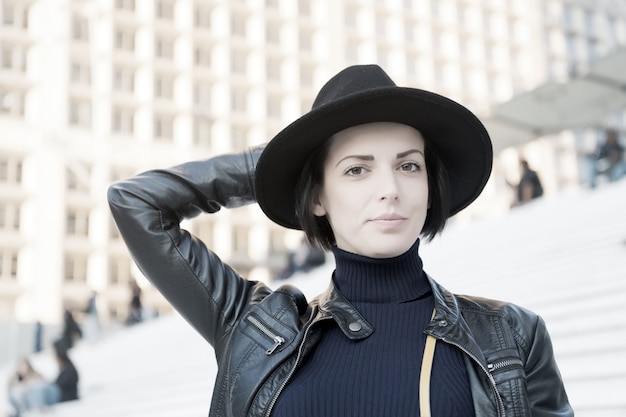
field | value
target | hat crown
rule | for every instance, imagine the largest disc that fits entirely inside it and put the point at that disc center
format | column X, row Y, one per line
column 353, row 80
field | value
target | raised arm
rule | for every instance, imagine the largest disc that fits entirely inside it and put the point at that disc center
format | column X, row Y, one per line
column 148, row 210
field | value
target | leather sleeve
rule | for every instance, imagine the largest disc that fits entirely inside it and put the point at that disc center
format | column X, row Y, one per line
column 148, row 210
column 546, row 392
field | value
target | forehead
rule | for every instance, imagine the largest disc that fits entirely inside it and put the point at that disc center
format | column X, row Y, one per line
column 376, row 137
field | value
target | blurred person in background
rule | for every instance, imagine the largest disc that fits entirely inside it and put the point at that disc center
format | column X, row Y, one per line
column 608, row 159
column 67, row 377
column 91, row 320
column 21, row 384
column 71, row 331
column 304, row 258
column 38, row 342
column 366, row 174
column 529, row 186
column 29, row 390
column 135, row 311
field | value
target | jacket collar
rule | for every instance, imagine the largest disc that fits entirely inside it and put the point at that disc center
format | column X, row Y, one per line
column 333, row 304
column 447, row 323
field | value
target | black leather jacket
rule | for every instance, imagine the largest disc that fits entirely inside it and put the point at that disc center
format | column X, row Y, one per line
column 260, row 335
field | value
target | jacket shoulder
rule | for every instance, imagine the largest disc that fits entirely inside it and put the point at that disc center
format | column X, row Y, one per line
column 523, row 322
column 491, row 306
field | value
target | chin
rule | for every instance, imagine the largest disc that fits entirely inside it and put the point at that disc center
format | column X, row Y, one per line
column 388, row 252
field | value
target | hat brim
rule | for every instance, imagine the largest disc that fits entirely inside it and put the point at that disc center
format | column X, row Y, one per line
column 459, row 137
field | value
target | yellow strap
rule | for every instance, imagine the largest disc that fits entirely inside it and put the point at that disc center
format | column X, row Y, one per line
column 427, row 366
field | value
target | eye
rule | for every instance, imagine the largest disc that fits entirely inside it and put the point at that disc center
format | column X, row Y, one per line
column 410, row 167
column 355, row 170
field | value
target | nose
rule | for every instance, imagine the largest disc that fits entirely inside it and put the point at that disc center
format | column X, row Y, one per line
column 388, row 185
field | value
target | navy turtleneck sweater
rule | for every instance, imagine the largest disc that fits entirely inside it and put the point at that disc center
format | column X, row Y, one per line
column 378, row 376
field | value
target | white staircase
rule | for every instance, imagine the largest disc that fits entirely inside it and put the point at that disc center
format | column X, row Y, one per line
column 563, row 257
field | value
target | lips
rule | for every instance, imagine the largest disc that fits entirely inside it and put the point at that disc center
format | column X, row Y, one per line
column 389, row 217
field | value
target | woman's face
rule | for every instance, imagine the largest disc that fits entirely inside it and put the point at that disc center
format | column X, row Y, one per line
column 375, row 189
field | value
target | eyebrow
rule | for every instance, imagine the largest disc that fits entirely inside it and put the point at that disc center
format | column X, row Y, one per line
column 371, row 157
column 409, row 152
column 361, row 157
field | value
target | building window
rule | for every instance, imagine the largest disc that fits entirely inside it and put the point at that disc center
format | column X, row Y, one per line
column 128, row 5
column 381, row 25
column 272, row 69
column 202, row 94
column 120, row 270
column 13, row 57
column 277, row 242
column 164, row 10
column 202, row 56
column 202, row 132
column 80, row 112
column 77, row 222
column 274, row 106
column 304, row 7
column 411, row 66
column 203, row 229
column 114, row 232
column 409, row 33
column 75, row 268
column 11, row 101
column 14, row 13
column 164, row 47
column 124, row 39
column 120, row 173
column 9, row 215
column 78, row 177
column 202, row 17
column 272, row 33
column 238, row 25
column 240, row 239
column 238, row 137
column 352, row 51
column 163, row 126
column 164, row 86
column 6, row 57
column 306, row 104
column 350, row 17
column 382, row 54
column 10, row 170
column 80, row 29
column 8, row 14
column 80, row 73
column 306, row 40
column 306, row 75
column 8, row 264
column 238, row 62
column 124, row 79
column 239, row 100
column 123, row 120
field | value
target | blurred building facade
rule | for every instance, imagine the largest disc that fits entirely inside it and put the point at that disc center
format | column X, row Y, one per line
column 92, row 91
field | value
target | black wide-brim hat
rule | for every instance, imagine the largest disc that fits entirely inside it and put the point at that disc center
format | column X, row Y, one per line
column 365, row 94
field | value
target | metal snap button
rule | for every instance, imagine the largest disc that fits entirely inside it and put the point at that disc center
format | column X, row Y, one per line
column 443, row 323
column 355, row 327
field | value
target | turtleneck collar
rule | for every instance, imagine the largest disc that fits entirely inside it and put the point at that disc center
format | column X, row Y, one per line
column 389, row 280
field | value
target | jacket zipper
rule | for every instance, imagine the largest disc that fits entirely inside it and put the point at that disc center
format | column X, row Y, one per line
column 492, row 381
column 506, row 363
column 293, row 368
column 263, row 328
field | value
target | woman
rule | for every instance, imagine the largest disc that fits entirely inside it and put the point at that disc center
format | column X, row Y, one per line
column 370, row 169
column 24, row 380
column 29, row 390
column 66, row 381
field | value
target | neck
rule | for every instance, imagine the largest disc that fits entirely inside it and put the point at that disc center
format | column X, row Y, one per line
column 390, row 280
